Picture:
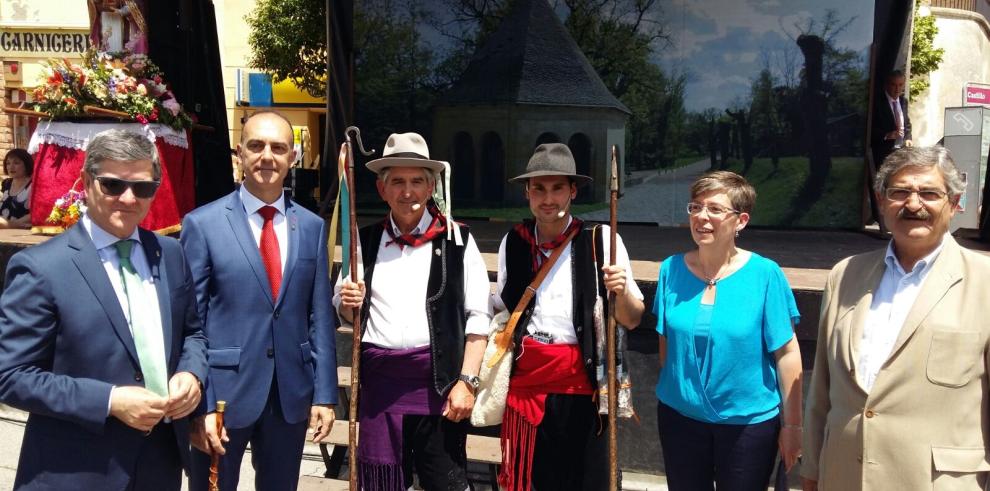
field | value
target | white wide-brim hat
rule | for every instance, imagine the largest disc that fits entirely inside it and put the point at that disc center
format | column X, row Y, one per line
column 405, row 150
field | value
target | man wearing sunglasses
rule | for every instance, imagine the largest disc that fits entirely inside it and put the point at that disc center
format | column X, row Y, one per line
column 100, row 340
column 899, row 392
column 259, row 263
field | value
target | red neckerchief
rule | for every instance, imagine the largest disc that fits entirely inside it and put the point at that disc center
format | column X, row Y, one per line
column 526, row 231
column 437, row 226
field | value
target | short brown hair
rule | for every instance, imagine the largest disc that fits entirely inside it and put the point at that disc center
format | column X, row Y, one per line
column 741, row 193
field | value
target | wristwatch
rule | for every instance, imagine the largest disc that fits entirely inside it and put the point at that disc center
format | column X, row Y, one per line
column 473, row 381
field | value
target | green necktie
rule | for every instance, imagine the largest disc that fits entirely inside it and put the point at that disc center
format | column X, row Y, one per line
column 148, row 338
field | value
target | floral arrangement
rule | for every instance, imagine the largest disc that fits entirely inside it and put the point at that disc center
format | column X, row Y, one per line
column 123, row 81
column 68, row 209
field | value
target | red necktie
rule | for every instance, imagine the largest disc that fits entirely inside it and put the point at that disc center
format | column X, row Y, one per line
column 270, row 253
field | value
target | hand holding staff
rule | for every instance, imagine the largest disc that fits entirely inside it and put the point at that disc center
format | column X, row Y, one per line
column 214, row 456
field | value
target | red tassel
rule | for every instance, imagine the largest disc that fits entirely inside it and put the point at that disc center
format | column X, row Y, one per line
column 518, row 444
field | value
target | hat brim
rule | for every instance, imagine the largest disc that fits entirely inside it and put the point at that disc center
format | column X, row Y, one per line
column 378, row 165
column 579, row 180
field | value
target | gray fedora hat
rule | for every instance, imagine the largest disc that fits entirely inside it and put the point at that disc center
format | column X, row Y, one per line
column 552, row 159
column 405, row 150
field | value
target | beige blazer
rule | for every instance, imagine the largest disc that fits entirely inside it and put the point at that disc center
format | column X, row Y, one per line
column 926, row 423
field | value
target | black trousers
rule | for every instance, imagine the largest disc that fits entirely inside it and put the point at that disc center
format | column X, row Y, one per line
column 158, row 452
column 571, row 446
column 436, row 448
column 697, row 455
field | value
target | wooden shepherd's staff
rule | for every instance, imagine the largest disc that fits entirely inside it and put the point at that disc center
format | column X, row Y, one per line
column 215, row 457
column 352, row 428
column 613, row 468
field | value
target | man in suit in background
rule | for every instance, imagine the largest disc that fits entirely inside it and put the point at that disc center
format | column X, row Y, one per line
column 891, row 124
column 259, row 263
column 99, row 337
column 899, row 392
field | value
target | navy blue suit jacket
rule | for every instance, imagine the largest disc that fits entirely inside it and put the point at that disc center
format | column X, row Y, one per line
column 254, row 340
column 64, row 343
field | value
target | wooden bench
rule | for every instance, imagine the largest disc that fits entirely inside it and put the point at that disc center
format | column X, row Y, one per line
column 481, row 449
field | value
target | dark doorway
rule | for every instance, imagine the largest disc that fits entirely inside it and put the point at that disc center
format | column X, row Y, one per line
column 548, row 137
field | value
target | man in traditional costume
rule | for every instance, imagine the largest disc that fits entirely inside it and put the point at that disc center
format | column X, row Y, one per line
column 552, row 434
column 425, row 319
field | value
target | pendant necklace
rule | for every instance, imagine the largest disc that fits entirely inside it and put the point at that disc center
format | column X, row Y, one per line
column 712, row 280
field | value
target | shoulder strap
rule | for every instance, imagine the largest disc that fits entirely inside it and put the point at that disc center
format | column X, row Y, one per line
column 503, row 338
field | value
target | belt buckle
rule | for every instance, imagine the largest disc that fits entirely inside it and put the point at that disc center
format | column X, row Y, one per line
column 542, row 337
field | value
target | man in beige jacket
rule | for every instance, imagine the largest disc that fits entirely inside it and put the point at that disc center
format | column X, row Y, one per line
column 899, row 397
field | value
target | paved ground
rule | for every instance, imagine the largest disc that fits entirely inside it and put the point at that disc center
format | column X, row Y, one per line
column 657, row 198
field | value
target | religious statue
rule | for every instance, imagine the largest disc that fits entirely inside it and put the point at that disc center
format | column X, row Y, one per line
column 118, row 25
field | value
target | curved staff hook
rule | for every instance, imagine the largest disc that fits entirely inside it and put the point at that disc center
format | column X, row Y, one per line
column 357, row 137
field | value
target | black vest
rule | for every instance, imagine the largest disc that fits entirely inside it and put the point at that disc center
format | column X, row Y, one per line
column 444, row 302
column 584, row 273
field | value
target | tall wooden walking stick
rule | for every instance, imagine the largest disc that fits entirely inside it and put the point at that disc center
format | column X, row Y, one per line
column 215, row 457
column 352, row 428
column 613, row 447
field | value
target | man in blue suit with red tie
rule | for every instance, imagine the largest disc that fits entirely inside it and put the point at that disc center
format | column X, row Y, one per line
column 259, row 263
column 100, row 340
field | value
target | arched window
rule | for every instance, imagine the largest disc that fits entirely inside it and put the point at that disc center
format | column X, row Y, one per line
column 580, row 146
column 492, row 167
column 463, row 167
column 547, row 137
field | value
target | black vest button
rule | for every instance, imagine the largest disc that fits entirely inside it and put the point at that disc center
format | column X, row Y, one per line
column 270, row 353
column 138, row 377
column 587, row 362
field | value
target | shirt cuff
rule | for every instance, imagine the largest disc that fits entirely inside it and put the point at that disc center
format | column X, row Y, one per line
column 478, row 323
column 110, row 399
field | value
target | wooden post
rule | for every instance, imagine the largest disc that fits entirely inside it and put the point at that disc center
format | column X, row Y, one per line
column 613, row 448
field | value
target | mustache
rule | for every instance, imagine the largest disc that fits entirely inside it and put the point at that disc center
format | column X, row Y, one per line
column 921, row 214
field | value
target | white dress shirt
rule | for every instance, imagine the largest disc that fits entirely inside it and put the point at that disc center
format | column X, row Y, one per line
column 397, row 313
column 104, row 242
column 894, row 103
column 251, row 206
column 553, row 302
column 892, row 301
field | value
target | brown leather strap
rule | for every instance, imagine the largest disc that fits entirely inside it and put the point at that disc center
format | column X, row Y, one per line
column 504, row 338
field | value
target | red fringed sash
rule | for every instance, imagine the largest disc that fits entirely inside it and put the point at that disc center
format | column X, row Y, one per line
column 540, row 370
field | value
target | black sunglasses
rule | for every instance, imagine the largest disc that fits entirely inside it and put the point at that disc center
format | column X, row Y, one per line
column 111, row 186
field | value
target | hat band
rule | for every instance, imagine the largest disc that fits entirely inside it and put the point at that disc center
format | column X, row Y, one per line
column 405, row 155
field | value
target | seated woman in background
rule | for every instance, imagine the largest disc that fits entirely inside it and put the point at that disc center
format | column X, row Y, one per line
column 730, row 378
column 16, row 198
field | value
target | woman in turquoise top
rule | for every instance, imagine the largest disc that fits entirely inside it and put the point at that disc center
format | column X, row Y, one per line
column 730, row 379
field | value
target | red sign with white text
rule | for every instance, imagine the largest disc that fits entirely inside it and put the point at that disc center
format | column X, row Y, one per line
column 977, row 95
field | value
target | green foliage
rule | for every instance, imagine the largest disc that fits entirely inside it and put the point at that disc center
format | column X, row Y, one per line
column 925, row 58
column 288, row 40
column 839, row 207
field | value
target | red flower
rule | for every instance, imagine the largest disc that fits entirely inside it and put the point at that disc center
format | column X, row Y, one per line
column 70, row 101
column 154, row 114
column 141, row 119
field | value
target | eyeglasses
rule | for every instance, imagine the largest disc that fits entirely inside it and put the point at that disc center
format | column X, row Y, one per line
column 925, row 195
column 714, row 211
column 111, row 186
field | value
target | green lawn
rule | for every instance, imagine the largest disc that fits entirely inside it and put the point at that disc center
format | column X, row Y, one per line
column 839, row 207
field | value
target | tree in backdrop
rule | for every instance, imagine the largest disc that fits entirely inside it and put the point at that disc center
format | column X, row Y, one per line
column 288, row 40
column 925, row 57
